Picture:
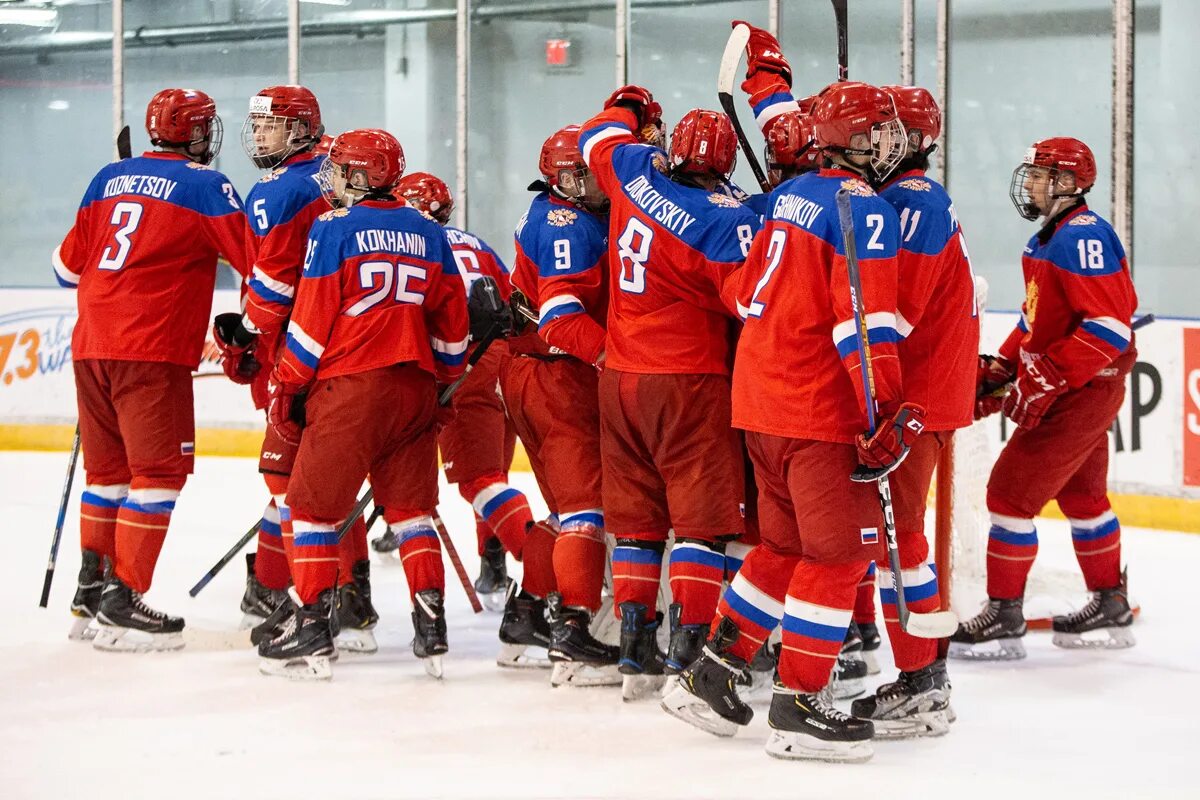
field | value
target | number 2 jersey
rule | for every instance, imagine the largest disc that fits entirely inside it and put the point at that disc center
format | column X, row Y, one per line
column 143, row 254
column 676, row 247
column 1079, row 298
column 380, row 286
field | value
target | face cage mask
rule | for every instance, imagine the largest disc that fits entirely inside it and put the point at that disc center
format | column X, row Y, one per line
column 216, row 135
column 325, row 181
column 291, row 145
column 883, row 163
column 579, row 196
column 1023, row 199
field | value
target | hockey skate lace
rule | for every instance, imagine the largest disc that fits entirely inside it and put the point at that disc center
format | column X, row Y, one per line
column 289, row 628
column 1090, row 610
column 145, row 609
column 981, row 620
column 824, row 704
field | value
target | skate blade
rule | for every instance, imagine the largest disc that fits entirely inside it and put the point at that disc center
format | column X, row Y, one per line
column 922, row 725
column 492, row 601
column 305, row 668
column 518, row 656
column 793, row 746
column 1099, row 639
column 583, row 675
column 1012, row 649
column 433, row 666
column 871, row 661
column 683, row 705
column 352, row 640
column 640, row 687
column 83, row 629
column 250, row 620
column 112, row 639
column 759, row 690
column 844, row 690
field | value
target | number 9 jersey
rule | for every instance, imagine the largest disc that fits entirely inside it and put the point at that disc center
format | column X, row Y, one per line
column 143, row 254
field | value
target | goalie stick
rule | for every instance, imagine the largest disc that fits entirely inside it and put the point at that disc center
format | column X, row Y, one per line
column 725, row 79
column 938, row 624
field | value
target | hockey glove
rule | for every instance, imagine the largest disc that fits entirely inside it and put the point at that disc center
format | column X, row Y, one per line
column 489, row 314
column 992, row 378
column 237, row 346
column 641, row 102
column 285, row 411
column 765, row 54
column 880, row 454
column 1034, row 391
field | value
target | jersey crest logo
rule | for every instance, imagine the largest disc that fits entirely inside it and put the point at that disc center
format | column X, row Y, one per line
column 194, row 165
column 915, row 184
column 1083, row 219
column 561, row 217
column 273, row 175
column 1031, row 303
column 659, row 162
column 857, row 188
column 333, row 212
column 723, row 201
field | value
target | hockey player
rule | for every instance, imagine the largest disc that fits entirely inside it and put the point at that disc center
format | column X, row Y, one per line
column 1064, row 365
column 143, row 254
column 477, row 445
column 671, row 459
column 379, row 316
column 548, row 382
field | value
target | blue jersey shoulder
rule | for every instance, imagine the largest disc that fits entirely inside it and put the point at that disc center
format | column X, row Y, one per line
column 926, row 214
column 176, row 181
column 561, row 239
column 282, row 193
column 459, row 236
column 1086, row 245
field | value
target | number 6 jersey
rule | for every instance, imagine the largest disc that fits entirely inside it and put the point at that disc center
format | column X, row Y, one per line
column 143, row 253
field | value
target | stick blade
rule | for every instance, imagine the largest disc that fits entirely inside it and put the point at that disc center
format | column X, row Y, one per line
column 727, row 75
column 124, row 149
column 935, row 625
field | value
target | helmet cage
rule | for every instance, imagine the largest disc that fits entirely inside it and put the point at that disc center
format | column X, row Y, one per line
column 889, row 146
column 293, row 143
column 355, row 185
column 1023, row 199
column 212, row 137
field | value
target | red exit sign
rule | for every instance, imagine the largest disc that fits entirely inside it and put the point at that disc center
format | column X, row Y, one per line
column 558, row 52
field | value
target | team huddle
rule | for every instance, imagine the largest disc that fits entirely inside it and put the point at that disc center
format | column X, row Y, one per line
column 753, row 389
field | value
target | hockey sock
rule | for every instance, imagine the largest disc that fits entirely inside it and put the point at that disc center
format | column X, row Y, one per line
column 505, row 509
column 816, row 614
column 351, row 550
column 483, row 532
column 754, row 599
column 579, row 556
column 1012, row 547
column 1098, row 549
column 537, row 577
column 637, row 569
column 735, row 554
column 864, row 601
column 921, row 594
column 315, row 556
column 696, row 574
column 270, row 563
column 142, row 522
column 420, row 554
column 98, row 517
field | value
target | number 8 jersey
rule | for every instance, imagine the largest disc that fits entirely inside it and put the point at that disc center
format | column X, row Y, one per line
column 143, row 254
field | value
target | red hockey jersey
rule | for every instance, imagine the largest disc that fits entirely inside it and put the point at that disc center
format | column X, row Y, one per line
column 675, row 248
column 1079, row 297
column 797, row 371
column 143, row 254
column 380, row 287
column 475, row 259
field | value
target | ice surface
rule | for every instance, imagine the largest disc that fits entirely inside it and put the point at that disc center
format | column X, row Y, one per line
column 202, row 723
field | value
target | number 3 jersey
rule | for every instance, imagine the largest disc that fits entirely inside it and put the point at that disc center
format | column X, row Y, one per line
column 380, row 286
column 143, row 254
column 673, row 249
column 1079, row 298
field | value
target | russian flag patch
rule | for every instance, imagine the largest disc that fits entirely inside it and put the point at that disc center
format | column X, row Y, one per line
column 869, row 535
column 187, row 448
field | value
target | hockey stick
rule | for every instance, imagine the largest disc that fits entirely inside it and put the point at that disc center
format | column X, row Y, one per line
column 124, row 150
column 1141, row 322
column 225, row 559
column 456, row 562
column 938, row 624
column 843, row 39
column 58, row 525
column 725, row 79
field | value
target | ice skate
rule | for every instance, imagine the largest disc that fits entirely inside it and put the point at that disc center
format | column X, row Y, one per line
column 93, row 571
column 304, row 649
column 760, row 675
column 493, row 576
column 273, row 625
column 686, row 644
column 522, row 627
column 871, row 641
column 577, row 659
column 258, row 601
column 850, row 670
column 127, row 624
column 1001, row 622
column 916, row 704
column 429, row 630
column 386, row 546
column 1103, row 623
column 705, row 694
column 356, row 615
column 641, row 662
column 807, row 727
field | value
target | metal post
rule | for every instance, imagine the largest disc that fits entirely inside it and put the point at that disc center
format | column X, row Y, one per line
column 773, row 17
column 622, row 30
column 908, row 42
column 462, row 63
column 118, row 70
column 943, row 88
column 1122, row 122
column 293, row 36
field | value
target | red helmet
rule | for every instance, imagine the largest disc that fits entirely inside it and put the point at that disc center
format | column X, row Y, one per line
column 806, row 105
column 561, row 153
column 184, row 118
column 1058, row 155
column 790, row 148
column 427, row 193
column 919, row 113
column 272, row 130
column 849, row 110
column 703, row 142
column 370, row 161
column 321, row 148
